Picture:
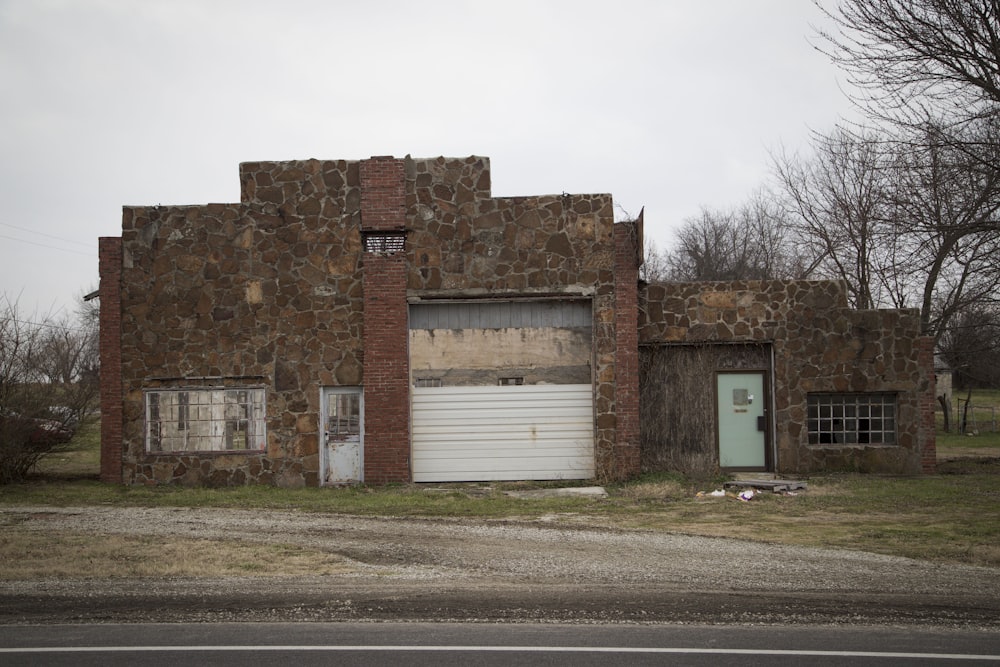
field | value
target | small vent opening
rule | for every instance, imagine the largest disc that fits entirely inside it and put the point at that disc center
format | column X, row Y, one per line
column 385, row 243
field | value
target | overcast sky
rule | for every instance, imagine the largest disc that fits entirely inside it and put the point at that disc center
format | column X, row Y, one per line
column 668, row 104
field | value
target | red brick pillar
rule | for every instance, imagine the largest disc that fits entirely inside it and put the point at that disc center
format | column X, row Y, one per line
column 386, row 335
column 110, row 290
column 628, row 256
column 928, row 433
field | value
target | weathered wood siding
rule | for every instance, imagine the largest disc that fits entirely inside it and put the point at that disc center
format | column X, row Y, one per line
column 677, row 401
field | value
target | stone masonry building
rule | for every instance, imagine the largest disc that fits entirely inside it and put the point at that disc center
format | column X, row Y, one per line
column 389, row 320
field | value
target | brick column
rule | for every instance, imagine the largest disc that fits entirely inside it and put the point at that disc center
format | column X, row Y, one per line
column 928, row 433
column 386, row 336
column 628, row 256
column 110, row 290
column 383, row 194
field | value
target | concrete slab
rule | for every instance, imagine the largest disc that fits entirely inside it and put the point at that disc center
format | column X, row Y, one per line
column 754, row 476
column 586, row 491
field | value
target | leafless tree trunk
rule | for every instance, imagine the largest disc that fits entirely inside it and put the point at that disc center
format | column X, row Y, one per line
column 964, row 425
column 949, row 202
column 946, row 412
column 971, row 346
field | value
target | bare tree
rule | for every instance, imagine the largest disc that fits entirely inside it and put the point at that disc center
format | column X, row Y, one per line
column 748, row 243
column 971, row 345
column 948, row 202
column 767, row 234
column 838, row 202
column 707, row 248
column 920, row 57
column 905, row 220
column 48, row 382
column 654, row 265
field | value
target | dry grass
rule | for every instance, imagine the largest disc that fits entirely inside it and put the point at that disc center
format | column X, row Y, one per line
column 668, row 489
column 953, row 516
column 32, row 554
column 945, row 518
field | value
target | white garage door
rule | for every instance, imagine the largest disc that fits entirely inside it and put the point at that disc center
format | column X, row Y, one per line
column 503, row 433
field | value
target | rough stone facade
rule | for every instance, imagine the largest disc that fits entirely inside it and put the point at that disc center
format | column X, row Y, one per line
column 306, row 287
column 808, row 339
column 281, row 292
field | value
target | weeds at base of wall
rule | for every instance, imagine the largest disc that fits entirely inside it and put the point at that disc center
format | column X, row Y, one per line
column 696, row 466
column 604, row 467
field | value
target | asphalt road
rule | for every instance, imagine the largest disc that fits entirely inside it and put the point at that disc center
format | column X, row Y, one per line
column 490, row 644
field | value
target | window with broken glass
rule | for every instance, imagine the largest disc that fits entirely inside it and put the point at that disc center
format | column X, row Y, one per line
column 205, row 420
column 343, row 414
column 852, row 419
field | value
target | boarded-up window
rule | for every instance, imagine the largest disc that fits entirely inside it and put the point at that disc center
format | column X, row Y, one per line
column 205, row 420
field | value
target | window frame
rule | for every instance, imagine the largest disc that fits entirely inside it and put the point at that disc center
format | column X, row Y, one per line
column 343, row 417
column 205, row 420
column 852, row 419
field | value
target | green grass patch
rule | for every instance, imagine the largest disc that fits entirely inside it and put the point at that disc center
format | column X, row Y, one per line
column 408, row 500
column 79, row 458
column 944, row 517
column 953, row 516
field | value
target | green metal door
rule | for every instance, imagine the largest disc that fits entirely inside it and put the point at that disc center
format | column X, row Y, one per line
column 742, row 421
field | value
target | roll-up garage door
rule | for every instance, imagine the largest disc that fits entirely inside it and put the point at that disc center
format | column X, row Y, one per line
column 481, row 433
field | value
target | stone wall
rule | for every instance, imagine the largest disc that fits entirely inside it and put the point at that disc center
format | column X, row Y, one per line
column 465, row 244
column 818, row 344
column 277, row 291
column 265, row 292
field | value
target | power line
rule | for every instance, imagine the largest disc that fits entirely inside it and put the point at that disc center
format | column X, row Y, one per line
column 49, row 247
column 57, row 238
column 50, row 326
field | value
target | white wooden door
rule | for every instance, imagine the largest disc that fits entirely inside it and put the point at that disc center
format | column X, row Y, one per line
column 342, row 429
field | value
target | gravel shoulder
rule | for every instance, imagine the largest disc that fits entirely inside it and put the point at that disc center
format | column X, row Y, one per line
column 479, row 570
